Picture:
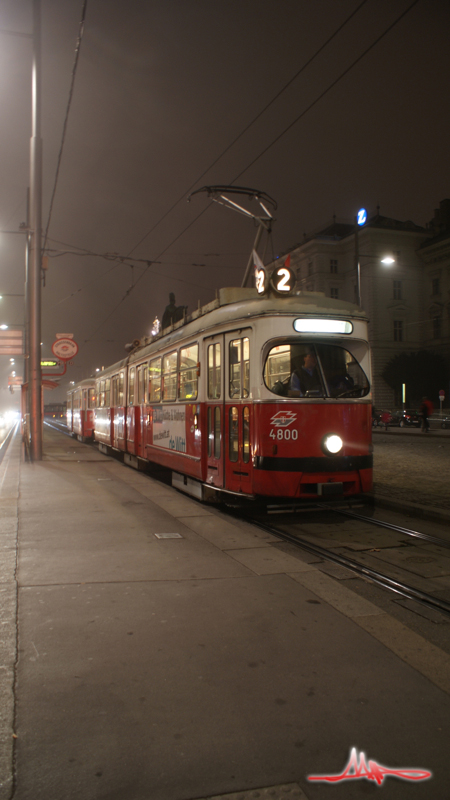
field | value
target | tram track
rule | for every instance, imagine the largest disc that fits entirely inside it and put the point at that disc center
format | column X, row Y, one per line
column 382, row 579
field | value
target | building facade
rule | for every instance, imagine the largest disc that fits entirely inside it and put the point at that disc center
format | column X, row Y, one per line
column 408, row 301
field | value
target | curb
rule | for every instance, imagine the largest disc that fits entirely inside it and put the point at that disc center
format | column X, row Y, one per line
column 424, row 512
column 434, row 433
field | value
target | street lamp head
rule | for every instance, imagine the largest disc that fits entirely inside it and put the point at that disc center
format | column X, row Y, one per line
column 388, row 260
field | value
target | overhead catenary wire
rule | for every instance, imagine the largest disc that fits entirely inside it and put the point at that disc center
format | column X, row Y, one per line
column 270, row 145
column 66, row 119
column 328, row 89
column 220, row 156
column 254, row 120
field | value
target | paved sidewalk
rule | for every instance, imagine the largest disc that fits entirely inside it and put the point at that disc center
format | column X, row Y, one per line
column 211, row 664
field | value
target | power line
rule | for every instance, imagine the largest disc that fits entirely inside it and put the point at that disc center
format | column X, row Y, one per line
column 325, row 92
column 250, row 124
column 74, row 70
column 237, row 138
column 274, row 141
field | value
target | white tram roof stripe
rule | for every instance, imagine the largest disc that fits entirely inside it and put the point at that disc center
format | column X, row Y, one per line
column 234, row 305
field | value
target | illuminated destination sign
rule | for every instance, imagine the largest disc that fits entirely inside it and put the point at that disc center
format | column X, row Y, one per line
column 311, row 325
column 281, row 280
column 48, row 363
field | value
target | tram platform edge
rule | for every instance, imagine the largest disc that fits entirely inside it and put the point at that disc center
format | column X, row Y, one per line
column 200, row 666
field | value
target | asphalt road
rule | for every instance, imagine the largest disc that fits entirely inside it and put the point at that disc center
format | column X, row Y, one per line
column 412, row 466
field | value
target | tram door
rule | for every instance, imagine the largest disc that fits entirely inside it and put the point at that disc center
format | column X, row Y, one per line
column 215, row 408
column 238, row 421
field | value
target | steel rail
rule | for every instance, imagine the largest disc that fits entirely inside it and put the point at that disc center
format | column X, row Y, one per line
column 427, row 537
column 379, row 578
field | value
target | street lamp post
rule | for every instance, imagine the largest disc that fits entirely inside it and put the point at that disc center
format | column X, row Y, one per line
column 34, row 260
column 33, row 256
column 360, row 220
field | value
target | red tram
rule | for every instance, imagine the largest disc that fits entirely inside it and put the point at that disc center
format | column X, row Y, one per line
column 223, row 400
column 80, row 409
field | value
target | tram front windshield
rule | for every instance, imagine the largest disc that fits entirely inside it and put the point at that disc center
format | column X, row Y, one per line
column 304, row 369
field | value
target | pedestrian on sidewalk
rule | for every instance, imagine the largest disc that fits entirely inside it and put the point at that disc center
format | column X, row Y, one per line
column 426, row 409
column 385, row 419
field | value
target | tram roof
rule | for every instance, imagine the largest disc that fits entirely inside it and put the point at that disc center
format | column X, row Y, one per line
column 233, row 304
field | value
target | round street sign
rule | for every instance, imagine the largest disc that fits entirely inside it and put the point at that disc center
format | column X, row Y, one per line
column 64, row 349
column 442, row 394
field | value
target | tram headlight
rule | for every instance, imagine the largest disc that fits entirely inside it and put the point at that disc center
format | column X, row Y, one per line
column 332, row 443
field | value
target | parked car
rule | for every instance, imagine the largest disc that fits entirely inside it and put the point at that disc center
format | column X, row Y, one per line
column 445, row 422
column 406, row 418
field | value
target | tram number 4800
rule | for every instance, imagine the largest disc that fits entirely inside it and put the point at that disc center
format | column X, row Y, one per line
column 283, row 433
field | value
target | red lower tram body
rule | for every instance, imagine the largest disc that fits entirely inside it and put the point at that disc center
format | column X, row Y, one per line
column 259, row 449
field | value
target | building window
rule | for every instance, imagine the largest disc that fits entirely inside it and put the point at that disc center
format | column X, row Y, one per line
column 437, row 328
column 333, row 266
column 397, row 290
column 310, row 268
column 398, row 330
column 435, row 286
column 334, row 293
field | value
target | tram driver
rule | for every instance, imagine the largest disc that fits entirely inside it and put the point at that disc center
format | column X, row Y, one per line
column 306, row 379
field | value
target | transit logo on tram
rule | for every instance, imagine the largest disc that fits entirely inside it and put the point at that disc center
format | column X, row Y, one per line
column 283, row 419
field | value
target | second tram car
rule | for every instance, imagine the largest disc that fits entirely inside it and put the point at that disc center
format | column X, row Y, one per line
column 80, row 410
column 252, row 396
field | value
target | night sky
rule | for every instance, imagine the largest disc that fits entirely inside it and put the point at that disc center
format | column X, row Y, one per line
column 162, row 90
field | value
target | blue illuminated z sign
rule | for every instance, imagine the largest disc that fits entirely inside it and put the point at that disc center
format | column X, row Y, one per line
column 361, row 216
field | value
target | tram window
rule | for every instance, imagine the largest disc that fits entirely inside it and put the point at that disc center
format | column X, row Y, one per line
column 188, row 372
column 245, row 434
column 235, row 368
column 301, row 369
column 108, row 392
column 102, row 394
column 169, row 375
column 214, row 371
column 233, row 434
column 91, row 398
column 120, row 397
column 131, row 383
column 217, row 432
column 239, row 385
column 154, row 378
column 142, row 383
column 246, row 367
column 114, row 381
column 210, row 432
